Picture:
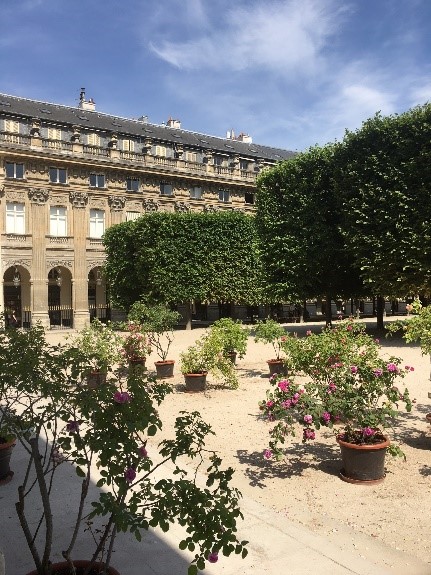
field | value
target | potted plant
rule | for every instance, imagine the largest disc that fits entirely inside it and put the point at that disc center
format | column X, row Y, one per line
column 100, row 347
column 348, row 382
column 271, row 332
column 234, row 337
column 206, row 355
column 7, row 443
column 135, row 346
column 158, row 322
column 107, row 434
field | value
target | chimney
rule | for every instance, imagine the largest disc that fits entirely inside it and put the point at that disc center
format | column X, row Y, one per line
column 245, row 138
column 89, row 105
column 173, row 123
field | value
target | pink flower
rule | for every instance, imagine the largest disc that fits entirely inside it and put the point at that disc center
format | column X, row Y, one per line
column 409, row 368
column 286, row 404
column 368, row 432
column 142, row 451
column 349, row 328
column 376, row 341
column 326, row 416
column 354, row 369
column 392, row 367
column 72, row 426
column 308, row 419
column 130, row 475
column 267, row 454
column 122, row 397
column 283, row 385
column 331, row 387
column 269, row 403
column 309, row 434
column 308, row 332
column 378, row 372
column 213, row 557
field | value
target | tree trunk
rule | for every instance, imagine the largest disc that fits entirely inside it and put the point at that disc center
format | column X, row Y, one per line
column 328, row 311
column 380, row 309
column 188, row 315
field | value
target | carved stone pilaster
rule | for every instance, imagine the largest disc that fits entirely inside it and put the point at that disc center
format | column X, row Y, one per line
column 116, row 203
column 150, row 205
column 38, row 195
column 182, row 207
column 78, row 199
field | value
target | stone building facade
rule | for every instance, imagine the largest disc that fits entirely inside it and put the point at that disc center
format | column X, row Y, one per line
column 68, row 173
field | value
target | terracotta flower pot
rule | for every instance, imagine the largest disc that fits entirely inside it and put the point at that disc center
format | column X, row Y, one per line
column 165, row 369
column 195, row 382
column 5, row 455
column 276, row 366
column 363, row 464
column 62, row 568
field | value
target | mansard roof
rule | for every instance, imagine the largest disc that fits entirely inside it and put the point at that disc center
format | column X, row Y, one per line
column 56, row 114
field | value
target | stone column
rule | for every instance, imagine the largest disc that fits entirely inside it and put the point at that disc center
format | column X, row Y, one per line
column 81, row 315
column 39, row 293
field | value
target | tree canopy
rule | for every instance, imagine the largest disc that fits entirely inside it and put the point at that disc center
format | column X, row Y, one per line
column 383, row 178
column 180, row 257
column 298, row 217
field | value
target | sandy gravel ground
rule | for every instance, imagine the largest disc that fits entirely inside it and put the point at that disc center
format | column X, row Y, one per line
column 305, row 486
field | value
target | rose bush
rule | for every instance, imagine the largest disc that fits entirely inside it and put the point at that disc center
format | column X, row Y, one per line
column 337, row 376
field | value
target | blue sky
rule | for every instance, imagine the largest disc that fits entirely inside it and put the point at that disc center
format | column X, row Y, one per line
column 291, row 73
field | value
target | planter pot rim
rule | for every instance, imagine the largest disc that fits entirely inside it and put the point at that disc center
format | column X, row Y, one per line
column 8, row 444
column 363, row 446
column 281, row 360
column 164, row 361
column 200, row 374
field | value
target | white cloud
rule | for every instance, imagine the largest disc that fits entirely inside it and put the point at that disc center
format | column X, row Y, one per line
column 277, row 35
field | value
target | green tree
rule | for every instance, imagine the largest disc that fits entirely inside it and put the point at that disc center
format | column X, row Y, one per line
column 384, row 179
column 298, row 218
column 176, row 258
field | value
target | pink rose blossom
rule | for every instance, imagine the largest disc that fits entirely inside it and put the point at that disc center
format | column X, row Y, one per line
column 378, row 372
column 283, row 385
column 309, row 434
column 286, row 404
column 130, row 475
column 368, row 432
column 142, row 451
column 308, row 418
column 326, row 416
column 213, row 557
column 392, row 367
column 354, row 369
column 308, row 332
column 122, row 397
column 267, row 454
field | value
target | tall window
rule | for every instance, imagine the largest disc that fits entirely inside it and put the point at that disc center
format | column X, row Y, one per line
column 97, row 223
column 128, row 145
column 97, row 180
column 132, row 184
column 15, row 218
column 14, row 170
column 196, row 193
column 160, row 150
column 224, row 196
column 191, row 156
column 57, row 175
column 166, row 189
column 243, row 165
column 54, row 134
column 249, row 198
column 57, row 221
column 93, row 139
column 11, row 126
column 218, row 160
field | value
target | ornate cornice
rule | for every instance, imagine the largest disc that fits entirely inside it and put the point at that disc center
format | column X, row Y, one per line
column 151, row 205
column 38, row 195
column 116, row 203
column 78, row 199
